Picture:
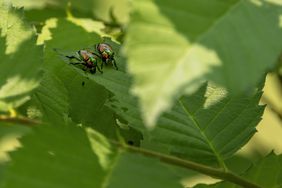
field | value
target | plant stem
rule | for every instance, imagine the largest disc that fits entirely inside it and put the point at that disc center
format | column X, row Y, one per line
column 213, row 172
column 21, row 120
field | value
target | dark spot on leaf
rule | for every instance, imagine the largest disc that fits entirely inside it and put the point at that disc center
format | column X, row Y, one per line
column 113, row 106
column 124, row 109
column 130, row 142
column 83, row 83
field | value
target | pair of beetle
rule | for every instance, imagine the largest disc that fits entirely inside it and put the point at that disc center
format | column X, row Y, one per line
column 90, row 59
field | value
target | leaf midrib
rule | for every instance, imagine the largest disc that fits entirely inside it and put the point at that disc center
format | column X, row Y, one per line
column 197, row 125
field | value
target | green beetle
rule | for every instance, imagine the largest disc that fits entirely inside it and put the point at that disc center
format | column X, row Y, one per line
column 107, row 54
column 86, row 58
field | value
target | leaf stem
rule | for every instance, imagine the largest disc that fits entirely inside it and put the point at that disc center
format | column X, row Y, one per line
column 213, row 172
column 21, row 120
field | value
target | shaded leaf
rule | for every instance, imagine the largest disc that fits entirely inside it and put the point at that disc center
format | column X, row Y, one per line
column 9, row 135
column 19, row 72
column 208, row 126
column 266, row 173
column 173, row 55
column 13, row 27
column 132, row 170
column 111, row 10
column 76, row 166
column 137, row 171
column 104, row 10
column 30, row 4
column 85, row 98
column 47, row 148
column 51, row 98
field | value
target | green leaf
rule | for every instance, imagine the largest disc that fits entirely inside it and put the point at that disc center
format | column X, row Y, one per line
column 111, row 10
column 208, row 126
column 63, row 154
column 101, row 147
column 117, row 82
column 2, row 171
column 13, row 27
column 45, row 32
column 51, row 98
column 9, row 135
column 137, row 171
column 266, row 173
column 183, row 130
column 132, row 170
column 48, row 148
column 30, row 4
column 88, row 24
column 172, row 47
column 83, row 99
column 19, row 69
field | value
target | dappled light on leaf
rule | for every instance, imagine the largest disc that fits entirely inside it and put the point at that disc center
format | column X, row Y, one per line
column 145, row 93
column 19, row 72
column 45, row 33
column 100, row 146
column 168, row 44
column 13, row 27
column 208, row 126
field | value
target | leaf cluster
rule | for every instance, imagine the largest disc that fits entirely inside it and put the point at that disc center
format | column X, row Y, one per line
column 183, row 102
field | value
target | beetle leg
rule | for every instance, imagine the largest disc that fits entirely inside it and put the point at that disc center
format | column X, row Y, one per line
column 93, row 71
column 73, row 57
column 102, row 64
column 77, row 63
column 99, row 68
column 114, row 63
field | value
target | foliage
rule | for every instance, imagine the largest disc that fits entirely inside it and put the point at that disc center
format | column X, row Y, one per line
column 267, row 173
column 185, row 97
column 196, row 51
